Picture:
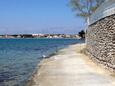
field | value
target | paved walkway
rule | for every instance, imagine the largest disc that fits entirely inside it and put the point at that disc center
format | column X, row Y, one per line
column 71, row 68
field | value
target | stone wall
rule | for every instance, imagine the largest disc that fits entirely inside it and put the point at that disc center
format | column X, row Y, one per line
column 100, row 39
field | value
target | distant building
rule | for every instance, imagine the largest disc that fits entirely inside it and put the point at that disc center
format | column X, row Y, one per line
column 40, row 36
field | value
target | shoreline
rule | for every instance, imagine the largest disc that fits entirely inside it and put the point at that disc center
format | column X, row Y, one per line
column 30, row 81
column 28, row 55
column 41, row 71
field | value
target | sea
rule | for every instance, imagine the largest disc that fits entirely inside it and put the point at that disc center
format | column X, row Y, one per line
column 20, row 57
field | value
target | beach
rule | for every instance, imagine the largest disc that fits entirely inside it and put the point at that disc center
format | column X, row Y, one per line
column 70, row 67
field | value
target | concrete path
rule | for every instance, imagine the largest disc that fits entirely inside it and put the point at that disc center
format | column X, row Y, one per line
column 71, row 68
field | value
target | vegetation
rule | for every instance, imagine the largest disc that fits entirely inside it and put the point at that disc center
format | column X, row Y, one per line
column 82, row 34
column 84, row 8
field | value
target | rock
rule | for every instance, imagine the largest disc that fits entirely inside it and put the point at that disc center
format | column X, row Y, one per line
column 101, row 41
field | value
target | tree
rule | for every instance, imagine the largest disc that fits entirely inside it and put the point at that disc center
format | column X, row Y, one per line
column 84, row 8
column 82, row 34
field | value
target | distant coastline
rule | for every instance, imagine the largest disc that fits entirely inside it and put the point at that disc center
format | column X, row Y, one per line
column 41, row 36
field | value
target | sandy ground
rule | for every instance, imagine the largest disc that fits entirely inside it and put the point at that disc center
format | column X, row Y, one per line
column 71, row 68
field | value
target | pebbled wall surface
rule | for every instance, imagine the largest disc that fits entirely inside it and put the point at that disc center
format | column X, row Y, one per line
column 100, row 39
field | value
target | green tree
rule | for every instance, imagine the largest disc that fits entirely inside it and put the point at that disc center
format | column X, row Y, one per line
column 82, row 34
column 84, row 8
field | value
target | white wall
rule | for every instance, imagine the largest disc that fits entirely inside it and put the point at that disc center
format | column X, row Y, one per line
column 106, row 9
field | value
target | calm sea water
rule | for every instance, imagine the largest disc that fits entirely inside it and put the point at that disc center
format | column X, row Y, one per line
column 19, row 57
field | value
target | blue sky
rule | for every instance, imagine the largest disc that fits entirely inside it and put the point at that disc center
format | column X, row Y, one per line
column 38, row 16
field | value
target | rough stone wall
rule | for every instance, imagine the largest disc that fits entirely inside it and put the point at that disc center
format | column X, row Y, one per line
column 100, row 39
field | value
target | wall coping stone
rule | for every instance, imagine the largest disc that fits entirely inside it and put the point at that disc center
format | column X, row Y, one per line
column 107, row 8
